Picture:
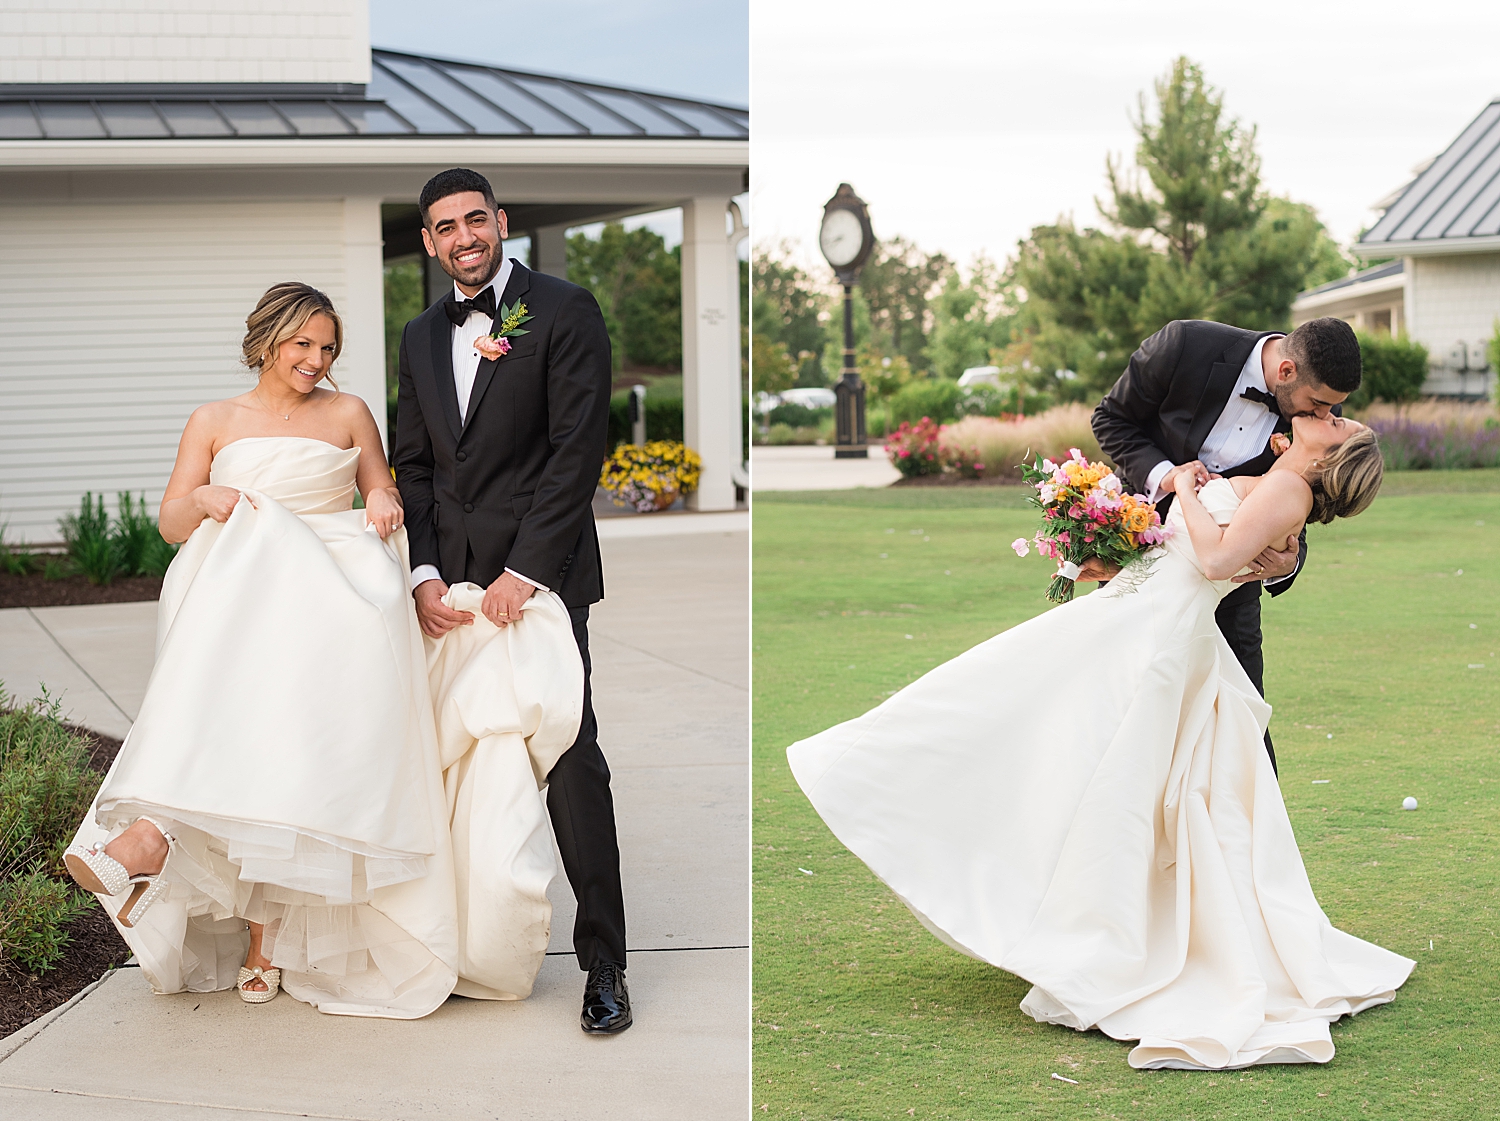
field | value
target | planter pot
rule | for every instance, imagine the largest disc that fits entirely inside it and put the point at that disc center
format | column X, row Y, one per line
column 665, row 499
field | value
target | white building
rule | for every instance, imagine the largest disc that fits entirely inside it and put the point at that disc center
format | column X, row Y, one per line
column 1443, row 289
column 162, row 163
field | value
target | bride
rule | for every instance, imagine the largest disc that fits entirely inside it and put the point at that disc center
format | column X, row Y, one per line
column 1129, row 853
column 283, row 810
column 281, row 779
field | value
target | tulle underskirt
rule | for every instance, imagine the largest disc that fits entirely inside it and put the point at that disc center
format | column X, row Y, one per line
column 311, row 893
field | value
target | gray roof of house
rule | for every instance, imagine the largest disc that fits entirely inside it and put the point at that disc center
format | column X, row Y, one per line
column 1456, row 197
column 1390, row 268
column 408, row 95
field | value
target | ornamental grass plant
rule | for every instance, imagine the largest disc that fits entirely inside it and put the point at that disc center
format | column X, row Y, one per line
column 102, row 548
column 1001, row 445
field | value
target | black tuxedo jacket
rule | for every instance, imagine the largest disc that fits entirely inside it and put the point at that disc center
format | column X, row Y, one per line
column 510, row 485
column 1165, row 405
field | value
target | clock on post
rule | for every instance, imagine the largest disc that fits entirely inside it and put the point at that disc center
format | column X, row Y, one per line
column 847, row 241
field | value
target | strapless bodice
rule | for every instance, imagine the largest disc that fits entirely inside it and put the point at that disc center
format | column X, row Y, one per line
column 306, row 476
column 1220, row 500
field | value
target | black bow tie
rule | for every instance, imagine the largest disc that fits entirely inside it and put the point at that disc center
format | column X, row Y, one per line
column 1260, row 396
column 458, row 311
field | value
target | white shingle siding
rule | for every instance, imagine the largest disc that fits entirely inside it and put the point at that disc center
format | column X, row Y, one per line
column 118, row 319
column 185, row 41
column 1457, row 299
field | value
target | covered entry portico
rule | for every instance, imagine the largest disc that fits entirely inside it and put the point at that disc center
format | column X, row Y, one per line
column 169, row 208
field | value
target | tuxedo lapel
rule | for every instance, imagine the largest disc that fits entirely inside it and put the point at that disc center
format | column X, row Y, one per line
column 440, row 341
column 515, row 288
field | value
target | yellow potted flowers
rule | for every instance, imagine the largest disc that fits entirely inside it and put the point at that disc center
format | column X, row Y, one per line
column 650, row 477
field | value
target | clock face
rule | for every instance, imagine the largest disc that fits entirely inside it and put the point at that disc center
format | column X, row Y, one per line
column 842, row 237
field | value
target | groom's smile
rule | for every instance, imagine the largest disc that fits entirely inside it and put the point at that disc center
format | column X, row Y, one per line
column 465, row 232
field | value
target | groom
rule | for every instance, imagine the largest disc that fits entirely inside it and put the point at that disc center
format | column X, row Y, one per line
column 1206, row 397
column 497, row 459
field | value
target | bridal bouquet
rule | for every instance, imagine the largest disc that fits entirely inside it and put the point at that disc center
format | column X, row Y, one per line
column 1086, row 514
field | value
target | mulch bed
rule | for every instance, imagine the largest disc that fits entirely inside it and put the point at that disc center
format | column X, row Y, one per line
column 93, row 947
column 955, row 481
column 35, row 590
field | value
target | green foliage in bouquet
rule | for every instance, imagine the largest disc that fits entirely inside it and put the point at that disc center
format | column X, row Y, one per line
column 1086, row 515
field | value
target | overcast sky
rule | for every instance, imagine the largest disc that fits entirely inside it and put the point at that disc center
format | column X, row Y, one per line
column 964, row 124
column 693, row 47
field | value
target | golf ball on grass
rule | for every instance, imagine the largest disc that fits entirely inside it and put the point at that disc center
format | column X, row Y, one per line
column 1408, row 803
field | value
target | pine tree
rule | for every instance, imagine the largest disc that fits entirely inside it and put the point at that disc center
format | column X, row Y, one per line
column 1190, row 234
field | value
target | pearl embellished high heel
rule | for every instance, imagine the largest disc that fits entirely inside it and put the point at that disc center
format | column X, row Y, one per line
column 96, row 871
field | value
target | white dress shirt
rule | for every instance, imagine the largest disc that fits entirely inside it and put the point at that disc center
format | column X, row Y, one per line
column 1240, row 433
column 465, row 367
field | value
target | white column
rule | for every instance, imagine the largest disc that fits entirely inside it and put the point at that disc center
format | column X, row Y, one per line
column 738, row 233
column 710, row 382
column 361, row 366
column 551, row 247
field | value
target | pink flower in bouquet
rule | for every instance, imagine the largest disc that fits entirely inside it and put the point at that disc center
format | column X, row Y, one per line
column 1076, row 456
column 491, row 347
column 1021, row 546
column 1064, row 539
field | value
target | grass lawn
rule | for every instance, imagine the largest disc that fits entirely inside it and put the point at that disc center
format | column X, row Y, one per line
column 1382, row 666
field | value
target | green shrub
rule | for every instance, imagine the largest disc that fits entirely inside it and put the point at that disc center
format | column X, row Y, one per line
column 1394, row 370
column 34, row 909
column 91, row 546
column 663, row 417
column 58, row 568
column 798, row 416
column 937, row 398
column 16, row 562
column 46, row 785
column 143, row 552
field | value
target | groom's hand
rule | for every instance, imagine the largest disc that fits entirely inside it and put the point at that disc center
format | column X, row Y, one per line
column 1272, row 564
column 435, row 616
column 503, row 599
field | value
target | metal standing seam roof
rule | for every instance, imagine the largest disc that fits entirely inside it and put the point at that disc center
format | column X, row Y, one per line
column 1379, row 272
column 1456, row 197
column 408, row 95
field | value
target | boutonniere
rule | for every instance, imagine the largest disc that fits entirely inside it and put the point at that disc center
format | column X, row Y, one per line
column 496, row 344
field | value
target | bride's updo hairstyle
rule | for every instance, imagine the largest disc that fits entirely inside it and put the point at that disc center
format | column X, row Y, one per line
column 1348, row 479
column 281, row 313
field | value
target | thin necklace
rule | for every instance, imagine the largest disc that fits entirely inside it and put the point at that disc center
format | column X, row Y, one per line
column 284, row 416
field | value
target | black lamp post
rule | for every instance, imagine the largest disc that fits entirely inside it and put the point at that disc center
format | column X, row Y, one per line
column 847, row 241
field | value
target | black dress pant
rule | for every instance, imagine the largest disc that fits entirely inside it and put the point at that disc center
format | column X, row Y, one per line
column 1238, row 617
column 583, row 819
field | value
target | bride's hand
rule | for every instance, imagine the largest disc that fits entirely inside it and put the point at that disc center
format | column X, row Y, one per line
column 1193, row 474
column 216, row 502
column 1096, row 569
column 383, row 510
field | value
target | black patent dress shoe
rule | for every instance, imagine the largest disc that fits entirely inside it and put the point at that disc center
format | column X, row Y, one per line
column 606, row 1000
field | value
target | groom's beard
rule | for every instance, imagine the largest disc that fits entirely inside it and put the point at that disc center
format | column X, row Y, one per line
column 482, row 271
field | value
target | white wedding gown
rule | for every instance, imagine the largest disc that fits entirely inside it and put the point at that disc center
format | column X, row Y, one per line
column 1086, row 801
column 287, row 739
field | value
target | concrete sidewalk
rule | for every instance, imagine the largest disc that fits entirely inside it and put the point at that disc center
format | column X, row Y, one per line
column 802, row 467
column 671, row 667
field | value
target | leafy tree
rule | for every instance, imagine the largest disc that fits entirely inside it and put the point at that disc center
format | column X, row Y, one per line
column 771, row 367
column 1192, row 235
column 884, row 376
column 896, row 283
column 789, row 308
column 638, row 283
column 404, row 301
column 969, row 320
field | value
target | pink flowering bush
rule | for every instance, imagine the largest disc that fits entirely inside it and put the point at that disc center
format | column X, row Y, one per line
column 966, row 463
column 913, row 448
